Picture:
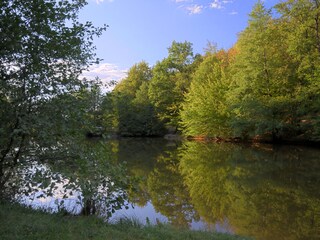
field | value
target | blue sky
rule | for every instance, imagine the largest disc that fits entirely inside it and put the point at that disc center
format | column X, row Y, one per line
column 144, row 29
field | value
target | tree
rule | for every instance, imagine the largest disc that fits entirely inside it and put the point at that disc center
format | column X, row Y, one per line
column 149, row 123
column 180, row 55
column 205, row 110
column 170, row 81
column 301, row 24
column 135, row 115
column 265, row 86
column 302, row 21
column 161, row 91
column 138, row 74
column 43, row 50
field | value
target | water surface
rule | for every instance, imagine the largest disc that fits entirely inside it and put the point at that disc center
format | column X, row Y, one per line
column 262, row 191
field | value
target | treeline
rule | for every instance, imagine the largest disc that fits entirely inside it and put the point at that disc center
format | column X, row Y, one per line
column 266, row 86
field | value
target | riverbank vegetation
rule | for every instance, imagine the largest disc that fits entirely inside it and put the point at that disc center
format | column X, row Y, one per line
column 265, row 87
column 21, row 223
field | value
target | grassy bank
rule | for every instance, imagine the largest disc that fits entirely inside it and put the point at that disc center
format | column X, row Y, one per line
column 21, row 223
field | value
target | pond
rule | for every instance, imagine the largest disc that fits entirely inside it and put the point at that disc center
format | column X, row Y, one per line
column 262, row 191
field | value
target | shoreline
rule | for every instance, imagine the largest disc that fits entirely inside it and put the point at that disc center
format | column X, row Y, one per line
column 18, row 222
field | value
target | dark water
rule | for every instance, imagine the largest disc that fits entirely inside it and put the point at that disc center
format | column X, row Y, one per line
column 266, row 192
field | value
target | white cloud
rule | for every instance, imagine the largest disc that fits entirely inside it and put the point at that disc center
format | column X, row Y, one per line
column 197, row 8
column 233, row 12
column 216, row 4
column 107, row 72
column 194, row 9
column 101, row 1
column 219, row 4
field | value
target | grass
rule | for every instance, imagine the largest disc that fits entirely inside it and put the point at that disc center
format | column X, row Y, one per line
column 17, row 222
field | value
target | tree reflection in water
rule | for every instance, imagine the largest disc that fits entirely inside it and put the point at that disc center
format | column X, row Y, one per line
column 264, row 191
column 155, row 163
column 79, row 176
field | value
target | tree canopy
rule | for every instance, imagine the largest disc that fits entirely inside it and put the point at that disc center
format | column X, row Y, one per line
column 43, row 50
column 265, row 87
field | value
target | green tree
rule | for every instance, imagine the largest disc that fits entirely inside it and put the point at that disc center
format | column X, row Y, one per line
column 43, row 50
column 87, row 103
column 301, row 19
column 171, row 80
column 161, row 91
column 109, row 118
column 135, row 114
column 150, row 124
column 138, row 74
column 301, row 23
column 265, row 87
column 205, row 110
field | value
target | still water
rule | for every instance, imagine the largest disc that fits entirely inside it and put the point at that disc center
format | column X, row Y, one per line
column 262, row 191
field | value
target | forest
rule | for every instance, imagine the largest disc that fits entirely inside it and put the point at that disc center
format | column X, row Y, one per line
column 264, row 88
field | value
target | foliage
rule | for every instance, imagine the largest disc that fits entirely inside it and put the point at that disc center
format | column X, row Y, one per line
column 47, row 109
column 170, row 81
column 265, row 87
column 135, row 114
column 300, row 21
column 205, row 110
column 269, row 95
column 44, row 49
column 265, row 84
